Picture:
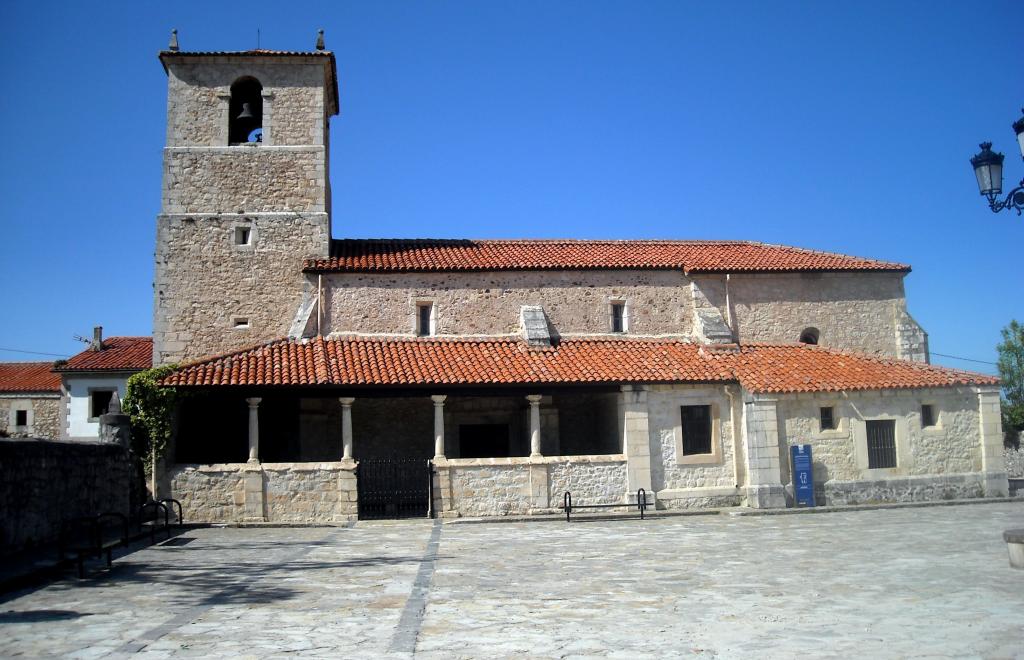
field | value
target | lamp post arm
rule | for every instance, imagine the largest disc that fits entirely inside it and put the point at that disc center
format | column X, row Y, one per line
column 1014, row 200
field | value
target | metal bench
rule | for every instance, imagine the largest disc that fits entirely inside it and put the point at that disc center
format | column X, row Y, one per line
column 93, row 536
column 641, row 504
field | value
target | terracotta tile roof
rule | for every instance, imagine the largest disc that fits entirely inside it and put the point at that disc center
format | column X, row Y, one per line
column 425, row 255
column 410, row 362
column 118, row 354
column 28, row 377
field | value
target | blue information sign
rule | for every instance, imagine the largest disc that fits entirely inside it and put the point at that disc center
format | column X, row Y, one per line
column 803, row 477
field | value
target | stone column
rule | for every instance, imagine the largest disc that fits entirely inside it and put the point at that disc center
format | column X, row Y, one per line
column 636, row 441
column 993, row 464
column 254, row 429
column 254, row 494
column 534, row 400
column 346, row 427
column 764, row 474
column 438, row 400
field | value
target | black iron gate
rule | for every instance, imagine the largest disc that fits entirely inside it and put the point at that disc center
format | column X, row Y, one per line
column 394, row 488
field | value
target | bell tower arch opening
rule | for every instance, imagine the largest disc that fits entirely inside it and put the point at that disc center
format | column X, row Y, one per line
column 245, row 111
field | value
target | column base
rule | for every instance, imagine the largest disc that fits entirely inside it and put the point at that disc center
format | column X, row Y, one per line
column 996, row 484
column 766, row 497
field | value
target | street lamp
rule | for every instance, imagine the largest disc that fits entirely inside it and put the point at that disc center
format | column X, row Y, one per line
column 988, row 169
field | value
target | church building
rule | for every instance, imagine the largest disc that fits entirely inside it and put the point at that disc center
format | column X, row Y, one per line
column 327, row 379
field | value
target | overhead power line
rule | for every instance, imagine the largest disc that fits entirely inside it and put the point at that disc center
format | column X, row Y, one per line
column 957, row 357
column 17, row 350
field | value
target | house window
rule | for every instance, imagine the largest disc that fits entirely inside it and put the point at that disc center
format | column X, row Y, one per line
column 927, row 415
column 696, row 429
column 424, row 319
column 243, row 235
column 828, row 419
column 618, row 312
column 99, row 401
column 810, row 336
column 21, row 418
column 881, row 443
column 240, row 323
column 245, row 112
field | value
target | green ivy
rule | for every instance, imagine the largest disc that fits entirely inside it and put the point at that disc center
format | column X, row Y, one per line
column 151, row 409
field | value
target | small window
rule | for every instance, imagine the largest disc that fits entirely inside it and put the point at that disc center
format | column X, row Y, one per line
column 809, row 336
column 21, row 418
column 927, row 415
column 243, row 235
column 424, row 319
column 99, row 401
column 618, row 310
column 241, row 323
column 696, row 428
column 828, row 419
column 881, row 443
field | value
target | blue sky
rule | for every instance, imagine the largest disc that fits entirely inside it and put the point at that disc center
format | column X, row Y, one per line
column 835, row 126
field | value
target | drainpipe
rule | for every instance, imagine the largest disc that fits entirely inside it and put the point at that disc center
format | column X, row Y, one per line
column 735, row 436
column 319, row 302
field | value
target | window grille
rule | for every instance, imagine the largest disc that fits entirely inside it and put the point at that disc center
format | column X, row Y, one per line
column 881, row 443
column 696, row 429
column 828, row 420
column 927, row 416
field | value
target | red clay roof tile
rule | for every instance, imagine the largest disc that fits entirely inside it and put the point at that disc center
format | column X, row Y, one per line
column 28, row 377
column 118, row 354
column 426, row 255
column 410, row 362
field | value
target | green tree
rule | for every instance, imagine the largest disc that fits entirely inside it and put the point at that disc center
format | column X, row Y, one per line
column 1011, row 371
column 151, row 409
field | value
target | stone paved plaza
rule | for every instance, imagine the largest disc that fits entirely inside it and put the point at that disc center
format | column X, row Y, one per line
column 909, row 582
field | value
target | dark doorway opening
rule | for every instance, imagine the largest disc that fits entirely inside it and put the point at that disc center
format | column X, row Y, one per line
column 483, row 441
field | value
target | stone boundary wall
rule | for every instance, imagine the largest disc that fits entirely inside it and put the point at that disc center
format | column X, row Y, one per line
column 478, row 487
column 267, row 492
column 907, row 489
column 43, row 482
column 1014, row 462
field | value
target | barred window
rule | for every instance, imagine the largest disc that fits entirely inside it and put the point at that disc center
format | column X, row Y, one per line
column 927, row 416
column 828, row 420
column 881, row 443
column 696, row 429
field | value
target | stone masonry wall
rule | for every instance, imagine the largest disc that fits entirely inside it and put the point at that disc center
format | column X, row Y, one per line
column 668, row 469
column 852, row 311
column 197, row 99
column 291, row 492
column 576, row 303
column 498, row 488
column 304, row 493
column 43, row 482
column 44, row 416
column 203, row 281
column 208, row 493
column 1014, row 462
column 949, row 450
column 244, row 179
column 590, row 479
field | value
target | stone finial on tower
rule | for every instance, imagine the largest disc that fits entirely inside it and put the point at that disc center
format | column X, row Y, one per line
column 174, row 41
column 319, row 39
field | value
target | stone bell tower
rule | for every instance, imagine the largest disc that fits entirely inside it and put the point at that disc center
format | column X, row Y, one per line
column 246, row 195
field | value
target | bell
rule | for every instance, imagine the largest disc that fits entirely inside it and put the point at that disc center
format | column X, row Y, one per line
column 246, row 112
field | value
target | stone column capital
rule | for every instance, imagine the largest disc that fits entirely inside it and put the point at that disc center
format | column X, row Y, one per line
column 438, row 399
column 346, row 401
column 534, row 399
column 254, row 401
